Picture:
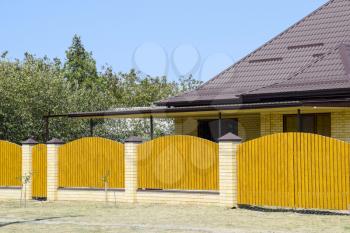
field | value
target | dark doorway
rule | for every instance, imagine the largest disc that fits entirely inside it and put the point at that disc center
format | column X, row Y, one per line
column 310, row 123
column 209, row 129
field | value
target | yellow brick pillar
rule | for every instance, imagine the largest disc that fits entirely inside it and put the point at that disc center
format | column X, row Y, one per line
column 131, row 168
column 27, row 167
column 228, row 169
column 52, row 168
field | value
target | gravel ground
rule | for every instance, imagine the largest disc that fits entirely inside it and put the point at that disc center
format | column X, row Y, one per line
column 98, row 217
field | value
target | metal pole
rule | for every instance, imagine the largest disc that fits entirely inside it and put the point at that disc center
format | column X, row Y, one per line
column 151, row 127
column 47, row 130
column 219, row 134
column 299, row 121
column 91, row 128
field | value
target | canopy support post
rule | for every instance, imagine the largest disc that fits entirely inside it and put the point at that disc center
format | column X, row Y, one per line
column 299, row 121
column 47, row 130
column 91, row 128
column 151, row 127
column 219, row 125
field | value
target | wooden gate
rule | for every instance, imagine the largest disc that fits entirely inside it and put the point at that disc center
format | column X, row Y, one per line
column 10, row 164
column 294, row 170
column 39, row 162
column 87, row 162
column 178, row 162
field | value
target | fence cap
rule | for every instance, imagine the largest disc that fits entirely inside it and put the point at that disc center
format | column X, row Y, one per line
column 230, row 137
column 134, row 139
column 55, row 141
column 29, row 141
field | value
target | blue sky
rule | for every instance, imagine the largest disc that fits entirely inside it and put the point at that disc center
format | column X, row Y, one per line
column 157, row 37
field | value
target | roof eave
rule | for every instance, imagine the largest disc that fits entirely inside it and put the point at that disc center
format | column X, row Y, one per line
column 299, row 95
column 194, row 109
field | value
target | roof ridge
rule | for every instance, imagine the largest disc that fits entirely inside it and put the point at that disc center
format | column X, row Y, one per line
column 273, row 39
column 304, row 68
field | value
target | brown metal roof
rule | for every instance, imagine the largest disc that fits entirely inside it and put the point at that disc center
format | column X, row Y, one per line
column 328, row 70
column 309, row 56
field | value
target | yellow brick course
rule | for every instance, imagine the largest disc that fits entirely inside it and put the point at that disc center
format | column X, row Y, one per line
column 340, row 126
column 271, row 123
column 27, row 168
column 10, row 193
column 228, row 173
column 52, row 172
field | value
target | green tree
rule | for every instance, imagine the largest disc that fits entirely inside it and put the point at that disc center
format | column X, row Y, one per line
column 80, row 67
column 188, row 83
column 34, row 87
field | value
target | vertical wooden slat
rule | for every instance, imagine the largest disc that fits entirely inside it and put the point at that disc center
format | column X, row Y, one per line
column 83, row 163
column 347, row 174
column 258, row 159
column 39, row 163
column 10, row 164
column 295, row 170
column 179, row 162
column 251, row 154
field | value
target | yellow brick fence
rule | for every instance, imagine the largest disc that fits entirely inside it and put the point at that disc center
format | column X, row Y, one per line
column 287, row 170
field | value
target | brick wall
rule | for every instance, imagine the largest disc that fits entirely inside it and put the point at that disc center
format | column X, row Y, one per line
column 228, row 173
column 186, row 126
column 90, row 195
column 271, row 123
column 141, row 196
column 340, row 125
column 52, row 172
column 10, row 193
column 249, row 126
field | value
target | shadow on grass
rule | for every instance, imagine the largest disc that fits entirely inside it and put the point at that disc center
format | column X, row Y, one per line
column 314, row 212
column 35, row 220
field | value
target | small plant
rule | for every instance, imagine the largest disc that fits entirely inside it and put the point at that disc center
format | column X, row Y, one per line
column 105, row 180
column 24, row 181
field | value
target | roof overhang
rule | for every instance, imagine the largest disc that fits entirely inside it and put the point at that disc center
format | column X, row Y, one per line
column 212, row 110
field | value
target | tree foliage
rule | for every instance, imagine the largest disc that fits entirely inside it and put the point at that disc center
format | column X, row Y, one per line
column 79, row 67
column 34, row 87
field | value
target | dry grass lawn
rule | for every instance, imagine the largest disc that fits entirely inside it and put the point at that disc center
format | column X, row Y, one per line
column 97, row 217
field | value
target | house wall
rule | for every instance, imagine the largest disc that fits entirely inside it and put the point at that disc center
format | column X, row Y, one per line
column 251, row 126
column 271, row 123
column 340, row 124
column 186, row 126
column 248, row 126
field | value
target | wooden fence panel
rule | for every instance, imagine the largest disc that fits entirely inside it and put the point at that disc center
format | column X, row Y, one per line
column 294, row 170
column 39, row 171
column 83, row 163
column 179, row 163
column 10, row 164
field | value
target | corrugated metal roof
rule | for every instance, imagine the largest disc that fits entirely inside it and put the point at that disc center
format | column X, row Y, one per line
column 307, row 56
column 329, row 70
